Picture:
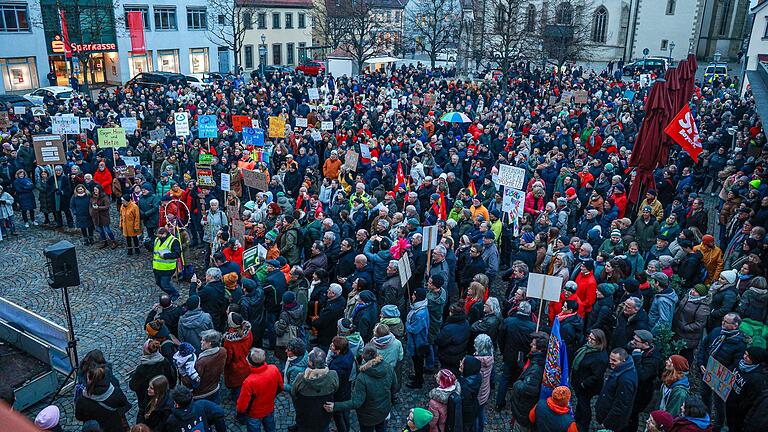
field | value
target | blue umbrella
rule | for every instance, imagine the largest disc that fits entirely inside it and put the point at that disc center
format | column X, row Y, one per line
column 455, row 117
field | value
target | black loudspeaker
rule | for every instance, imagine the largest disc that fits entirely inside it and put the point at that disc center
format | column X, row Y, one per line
column 62, row 265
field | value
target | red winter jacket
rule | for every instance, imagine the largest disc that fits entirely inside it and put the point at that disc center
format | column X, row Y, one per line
column 104, row 178
column 586, row 291
column 263, row 385
column 238, row 345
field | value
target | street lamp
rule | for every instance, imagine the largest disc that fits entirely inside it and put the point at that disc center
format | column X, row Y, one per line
column 262, row 54
column 671, row 48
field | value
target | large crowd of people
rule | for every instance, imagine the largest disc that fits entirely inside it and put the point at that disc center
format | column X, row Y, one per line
column 653, row 292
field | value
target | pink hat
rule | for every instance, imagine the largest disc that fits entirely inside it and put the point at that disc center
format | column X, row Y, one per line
column 48, row 418
column 446, row 378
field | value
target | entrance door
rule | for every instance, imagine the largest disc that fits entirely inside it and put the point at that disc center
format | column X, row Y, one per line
column 224, row 59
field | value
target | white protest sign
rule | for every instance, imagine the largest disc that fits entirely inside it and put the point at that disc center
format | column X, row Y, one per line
column 314, row 93
column 64, row 124
column 225, row 182
column 404, row 269
column 181, row 122
column 365, row 151
column 326, row 125
column 394, row 104
column 130, row 124
column 511, row 176
column 513, row 203
column 19, row 110
column 38, row 111
column 86, row 123
column 132, row 161
column 301, row 122
column 544, row 287
column 430, row 238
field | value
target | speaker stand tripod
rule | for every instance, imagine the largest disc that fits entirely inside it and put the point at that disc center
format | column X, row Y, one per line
column 71, row 346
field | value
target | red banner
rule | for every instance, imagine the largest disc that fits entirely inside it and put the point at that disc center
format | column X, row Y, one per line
column 136, row 30
column 65, row 34
column 240, row 121
column 683, row 130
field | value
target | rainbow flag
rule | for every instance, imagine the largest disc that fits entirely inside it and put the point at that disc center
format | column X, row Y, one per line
column 260, row 156
column 472, row 187
column 439, row 207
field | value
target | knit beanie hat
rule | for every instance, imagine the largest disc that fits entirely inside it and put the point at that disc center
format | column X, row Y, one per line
column 271, row 235
column 757, row 354
column 193, row 302
column 186, row 349
column 701, row 289
column 230, row 280
column 48, row 418
column 607, row 289
column 446, row 378
column 421, row 417
column 234, row 320
column 390, row 311
column 561, row 396
column 289, row 297
column 729, row 275
column 157, row 329
column 679, row 362
column 662, row 419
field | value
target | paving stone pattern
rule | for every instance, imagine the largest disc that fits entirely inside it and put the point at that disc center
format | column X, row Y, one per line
column 109, row 310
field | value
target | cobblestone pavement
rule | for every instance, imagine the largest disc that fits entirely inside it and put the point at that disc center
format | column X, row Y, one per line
column 109, row 310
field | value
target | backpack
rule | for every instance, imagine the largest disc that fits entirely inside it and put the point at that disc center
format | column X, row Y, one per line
column 455, row 422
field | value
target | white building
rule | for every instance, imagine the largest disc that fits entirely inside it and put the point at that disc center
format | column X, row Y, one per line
column 278, row 32
column 176, row 39
column 660, row 25
column 23, row 50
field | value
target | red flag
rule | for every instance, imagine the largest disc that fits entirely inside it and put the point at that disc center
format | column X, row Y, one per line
column 65, row 34
column 136, row 29
column 400, row 180
column 683, row 130
column 439, row 207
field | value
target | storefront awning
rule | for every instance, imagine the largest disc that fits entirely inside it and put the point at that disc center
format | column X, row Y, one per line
column 376, row 60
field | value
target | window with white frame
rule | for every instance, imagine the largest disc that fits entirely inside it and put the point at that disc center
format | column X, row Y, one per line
column 302, row 20
column 165, row 18
column 275, row 20
column 197, row 18
column 144, row 14
column 247, row 21
column 664, row 44
column 600, row 25
column 14, row 18
column 261, row 20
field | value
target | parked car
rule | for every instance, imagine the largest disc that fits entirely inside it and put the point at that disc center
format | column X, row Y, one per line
column 270, row 70
column 715, row 70
column 7, row 102
column 59, row 92
column 198, row 81
column 311, row 68
column 651, row 64
column 157, row 79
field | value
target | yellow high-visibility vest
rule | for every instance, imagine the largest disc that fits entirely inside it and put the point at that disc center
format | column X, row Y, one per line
column 158, row 262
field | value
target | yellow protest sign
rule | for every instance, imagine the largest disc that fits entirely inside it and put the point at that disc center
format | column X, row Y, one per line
column 276, row 127
column 112, row 137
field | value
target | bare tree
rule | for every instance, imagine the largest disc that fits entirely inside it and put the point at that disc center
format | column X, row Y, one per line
column 355, row 26
column 508, row 32
column 435, row 25
column 330, row 28
column 566, row 32
column 229, row 24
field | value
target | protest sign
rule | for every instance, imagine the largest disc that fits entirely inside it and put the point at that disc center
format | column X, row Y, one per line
column 326, row 125
column 5, row 120
column 314, row 93
column 130, row 124
column 49, row 150
column 645, row 80
column 365, row 151
column 225, row 182
column 158, row 134
column 544, row 287
column 350, row 160
column 205, row 176
column 511, row 176
column 206, row 126
column 240, row 121
column 181, row 123
column 238, row 230
column 316, row 135
column 254, row 137
column 404, row 269
column 395, row 103
column 552, row 100
column 513, row 203
column 276, row 127
column 125, row 171
column 63, row 125
column 255, row 179
column 301, row 122
column 205, row 159
column 19, row 110
column 429, row 99
column 87, row 124
column 566, row 96
column 250, row 257
column 38, row 111
column 580, row 97
column 629, row 95
column 112, row 137
column 719, row 378
column 133, row 161
column 430, row 238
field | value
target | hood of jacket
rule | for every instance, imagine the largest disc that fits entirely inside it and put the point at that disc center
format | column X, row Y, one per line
column 374, row 367
column 194, row 318
column 319, row 382
column 442, row 395
column 668, row 294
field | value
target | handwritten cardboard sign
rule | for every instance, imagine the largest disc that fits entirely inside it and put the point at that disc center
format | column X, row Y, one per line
column 49, row 150
column 255, row 179
column 511, row 176
column 350, row 160
column 276, row 127
column 112, row 137
column 158, row 134
column 580, row 97
column 125, row 171
column 719, row 378
column 205, row 176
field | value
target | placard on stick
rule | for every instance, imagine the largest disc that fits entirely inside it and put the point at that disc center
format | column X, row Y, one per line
column 49, row 150
column 719, row 378
column 205, row 176
column 511, row 176
column 544, row 287
column 5, row 120
column 255, row 179
column 430, row 238
column 276, row 127
column 225, row 182
column 350, row 160
column 404, row 269
column 125, row 171
column 158, row 134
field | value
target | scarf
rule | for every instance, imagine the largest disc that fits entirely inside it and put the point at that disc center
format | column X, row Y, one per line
column 358, row 308
column 718, row 342
column 747, row 368
column 384, row 341
column 156, row 357
column 581, row 353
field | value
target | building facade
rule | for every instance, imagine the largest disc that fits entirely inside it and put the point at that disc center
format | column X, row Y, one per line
column 23, row 50
column 277, row 32
column 724, row 30
column 390, row 25
column 175, row 37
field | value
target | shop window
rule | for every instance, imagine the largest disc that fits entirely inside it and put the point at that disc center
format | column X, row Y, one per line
column 19, row 73
column 168, row 61
column 138, row 63
column 198, row 60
